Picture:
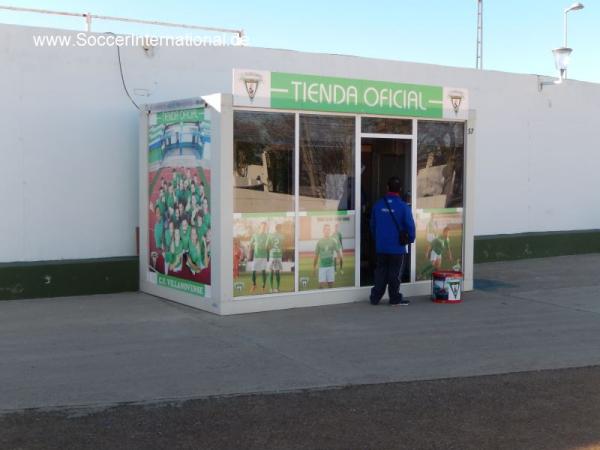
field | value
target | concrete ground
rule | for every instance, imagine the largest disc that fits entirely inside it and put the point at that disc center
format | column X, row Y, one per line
column 93, row 352
column 108, row 349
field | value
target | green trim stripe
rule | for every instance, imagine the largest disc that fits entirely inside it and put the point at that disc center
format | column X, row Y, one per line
column 38, row 279
column 329, row 213
column 508, row 247
column 68, row 277
column 440, row 210
column 259, row 215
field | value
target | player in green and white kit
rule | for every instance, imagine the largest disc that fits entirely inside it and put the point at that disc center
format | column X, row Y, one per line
column 184, row 232
column 258, row 244
column 169, row 235
column 440, row 248
column 325, row 251
column 174, row 256
column 437, row 251
column 158, row 230
column 275, row 246
column 196, row 255
column 338, row 235
column 431, row 230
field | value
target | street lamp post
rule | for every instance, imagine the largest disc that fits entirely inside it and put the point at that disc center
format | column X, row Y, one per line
column 562, row 55
column 574, row 7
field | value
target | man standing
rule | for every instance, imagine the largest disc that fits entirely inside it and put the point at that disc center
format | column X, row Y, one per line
column 390, row 219
column 325, row 251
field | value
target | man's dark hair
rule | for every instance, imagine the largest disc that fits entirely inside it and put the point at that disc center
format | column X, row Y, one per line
column 395, row 185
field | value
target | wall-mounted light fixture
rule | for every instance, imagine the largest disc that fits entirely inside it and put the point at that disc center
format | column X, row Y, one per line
column 562, row 55
column 456, row 99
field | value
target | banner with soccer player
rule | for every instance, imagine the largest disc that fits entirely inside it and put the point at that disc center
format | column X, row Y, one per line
column 439, row 241
column 263, row 253
column 179, row 210
column 326, row 247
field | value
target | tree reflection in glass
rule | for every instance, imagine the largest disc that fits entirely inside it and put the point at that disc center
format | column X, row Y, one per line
column 263, row 161
column 326, row 163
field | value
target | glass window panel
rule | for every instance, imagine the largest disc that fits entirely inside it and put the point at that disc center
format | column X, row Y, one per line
column 440, row 164
column 439, row 215
column 263, row 228
column 326, row 163
column 327, row 223
column 386, row 125
column 263, row 254
column 263, row 161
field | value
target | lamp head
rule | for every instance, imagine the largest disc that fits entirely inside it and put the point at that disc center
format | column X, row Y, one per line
column 574, row 7
column 562, row 58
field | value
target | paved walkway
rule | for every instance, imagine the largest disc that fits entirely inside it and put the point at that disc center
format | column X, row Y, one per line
column 108, row 349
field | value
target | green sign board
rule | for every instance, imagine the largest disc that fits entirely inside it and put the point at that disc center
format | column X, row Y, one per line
column 189, row 287
column 183, row 115
column 294, row 91
column 318, row 93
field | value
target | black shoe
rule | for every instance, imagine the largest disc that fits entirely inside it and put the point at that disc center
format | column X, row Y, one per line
column 374, row 303
column 401, row 302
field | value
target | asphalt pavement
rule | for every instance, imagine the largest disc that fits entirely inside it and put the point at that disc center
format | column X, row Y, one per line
column 558, row 409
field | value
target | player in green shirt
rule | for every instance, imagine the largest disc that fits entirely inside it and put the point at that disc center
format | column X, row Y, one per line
column 186, row 192
column 174, row 255
column 169, row 233
column 325, row 251
column 206, row 211
column 431, row 229
column 275, row 246
column 175, row 178
column 437, row 251
column 338, row 235
column 171, row 197
column 196, row 256
column 158, row 230
column 258, row 245
column 185, row 234
column 180, row 193
column 201, row 226
column 161, row 201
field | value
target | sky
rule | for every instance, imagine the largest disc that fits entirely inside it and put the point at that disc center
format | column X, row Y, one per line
column 518, row 35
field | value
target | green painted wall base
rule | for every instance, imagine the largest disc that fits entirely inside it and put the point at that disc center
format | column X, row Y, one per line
column 505, row 247
column 68, row 277
column 101, row 276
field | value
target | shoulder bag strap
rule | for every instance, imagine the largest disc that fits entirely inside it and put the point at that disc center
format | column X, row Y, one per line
column 392, row 214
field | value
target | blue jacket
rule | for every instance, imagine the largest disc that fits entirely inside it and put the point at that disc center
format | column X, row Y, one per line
column 384, row 229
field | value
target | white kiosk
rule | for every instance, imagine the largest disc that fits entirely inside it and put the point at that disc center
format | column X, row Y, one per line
column 248, row 198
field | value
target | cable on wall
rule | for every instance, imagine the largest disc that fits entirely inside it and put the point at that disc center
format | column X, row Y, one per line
column 123, row 77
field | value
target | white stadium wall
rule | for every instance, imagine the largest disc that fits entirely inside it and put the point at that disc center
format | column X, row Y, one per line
column 69, row 169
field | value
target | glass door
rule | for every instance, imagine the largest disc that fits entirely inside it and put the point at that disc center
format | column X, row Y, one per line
column 381, row 159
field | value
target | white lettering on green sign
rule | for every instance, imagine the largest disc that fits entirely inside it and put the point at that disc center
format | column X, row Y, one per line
column 183, row 115
column 189, row 287
column 317, row 93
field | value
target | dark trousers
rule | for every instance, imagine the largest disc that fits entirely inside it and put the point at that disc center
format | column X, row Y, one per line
column 388, row 271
